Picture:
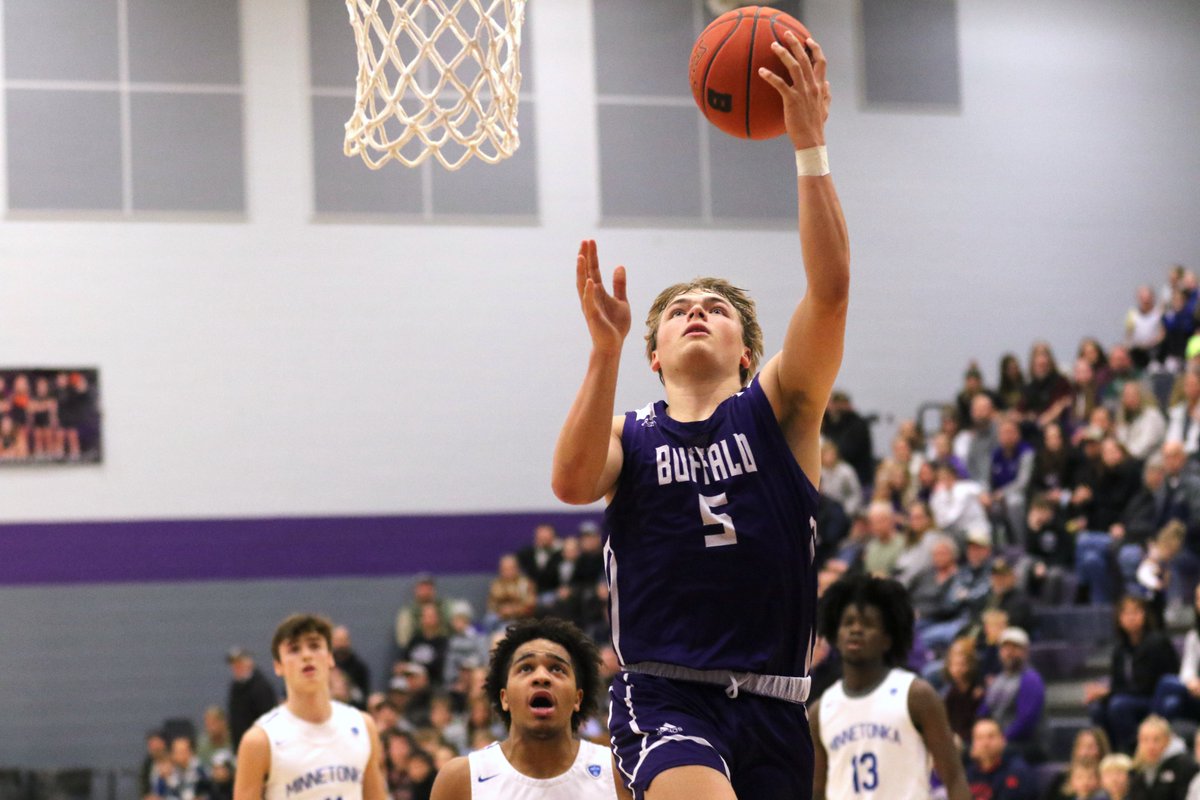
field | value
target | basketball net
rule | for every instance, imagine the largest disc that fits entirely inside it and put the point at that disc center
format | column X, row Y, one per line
column 435, row 78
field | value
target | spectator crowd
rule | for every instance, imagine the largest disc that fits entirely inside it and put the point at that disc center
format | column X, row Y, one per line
column 1058, row 485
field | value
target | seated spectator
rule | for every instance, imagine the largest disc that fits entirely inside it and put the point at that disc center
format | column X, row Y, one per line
column 1121, row 370
column 1143, row 329
column 976, row 571
column 1007, row 596
column 427, row 647
column 1055, row 465
column 983, row 439
column 251, row 694
column 155, row 761
column 1154, row 571
column 221, row 776
column 1047, row 397
column 1179, row 695
column 940, row 599
column 408, row 617
column 1140, row 426
column 350, row 663
column 1179, row 498
column 1010, row 389
column 993, row 624
column 941, row 449
column 1141, row 656
column 956, row 505
column 972, row 387
column 851, row 433
column 1050, row 548
column 539, row 562
column 1091, row 351
column 850, row 549
column 450, row 727
column 511, row 595
column 962, row 689
column 1098, row 503
column 186, row 779
column 1115, row 769
column 994, row 771
column 1183, row 418
column 215, row 741
column 1083, row 782
column 1162, row 766
column 590, row 567
column 1086, row 392
column 1089, row 749
column 465, row 645
column 1012, row 467
column 1178, row 323
column 1016, row 698
column 839, row 481
column 917, row 556
column 885, row 544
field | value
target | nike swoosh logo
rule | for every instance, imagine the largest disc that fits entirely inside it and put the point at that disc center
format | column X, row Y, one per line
column 488, row 778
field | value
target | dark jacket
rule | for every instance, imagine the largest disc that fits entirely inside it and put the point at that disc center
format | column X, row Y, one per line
column 249, row 700
column 1136, row 670
column 545, row 578
column 1112, row 489
column 1012, row 779
column 852, row 435
column 1169, row 781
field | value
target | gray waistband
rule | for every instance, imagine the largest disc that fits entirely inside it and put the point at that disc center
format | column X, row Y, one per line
column 779, row 687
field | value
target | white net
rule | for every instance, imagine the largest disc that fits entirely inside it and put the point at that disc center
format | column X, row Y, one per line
column 435, row 78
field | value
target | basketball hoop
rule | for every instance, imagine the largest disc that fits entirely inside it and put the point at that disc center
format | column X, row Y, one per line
column 435, row 77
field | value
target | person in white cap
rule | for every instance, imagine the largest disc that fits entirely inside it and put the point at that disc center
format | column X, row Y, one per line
column 1016, row 698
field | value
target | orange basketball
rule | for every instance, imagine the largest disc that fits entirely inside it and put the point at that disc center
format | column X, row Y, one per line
column 724, row 70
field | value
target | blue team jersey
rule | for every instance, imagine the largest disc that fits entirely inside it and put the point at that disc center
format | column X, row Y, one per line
column 709, row 542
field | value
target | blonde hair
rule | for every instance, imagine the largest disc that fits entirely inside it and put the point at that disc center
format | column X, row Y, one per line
column 752, row 336
column 1118, row 761
column 1171, row 535
column 1159, row 724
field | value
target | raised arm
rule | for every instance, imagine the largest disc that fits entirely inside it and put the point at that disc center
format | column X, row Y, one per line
column 799, row 379
column 587, row 458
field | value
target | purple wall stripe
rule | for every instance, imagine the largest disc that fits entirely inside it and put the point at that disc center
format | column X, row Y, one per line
column 244, row 549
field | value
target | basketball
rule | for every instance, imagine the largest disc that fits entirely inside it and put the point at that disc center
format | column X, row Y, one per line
column 724, row 71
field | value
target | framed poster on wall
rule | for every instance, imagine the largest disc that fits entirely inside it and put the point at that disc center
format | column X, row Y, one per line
column 49, row 415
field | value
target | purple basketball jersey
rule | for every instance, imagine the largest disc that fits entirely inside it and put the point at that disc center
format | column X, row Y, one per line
column 710, row 539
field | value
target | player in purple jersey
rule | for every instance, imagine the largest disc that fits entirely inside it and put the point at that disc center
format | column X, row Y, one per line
column 712, row 496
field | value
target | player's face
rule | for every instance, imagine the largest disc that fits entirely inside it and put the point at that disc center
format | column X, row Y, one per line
column 861, row 637
column 698, row 329
column 304, row 662
column 541, row 693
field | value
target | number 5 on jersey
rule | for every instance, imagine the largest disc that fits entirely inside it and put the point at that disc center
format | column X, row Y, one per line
column 710, row 517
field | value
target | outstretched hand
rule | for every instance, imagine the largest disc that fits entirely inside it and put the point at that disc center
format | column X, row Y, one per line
column 806, row 100
column 607, row 315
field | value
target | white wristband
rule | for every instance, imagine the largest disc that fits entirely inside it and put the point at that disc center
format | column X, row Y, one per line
column 812, row 162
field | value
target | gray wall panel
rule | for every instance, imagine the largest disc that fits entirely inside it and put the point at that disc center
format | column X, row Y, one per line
column 60, row 39
column 86, row 670
column 642, row 48
column 64, row 150
column 910, row 51
column 187, row 152
column 751, row 180
column 184, row 41
column 651, row 162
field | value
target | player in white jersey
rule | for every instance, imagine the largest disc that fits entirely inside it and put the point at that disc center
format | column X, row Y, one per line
column 876, row 729
column 543, row 681
column 310, row 747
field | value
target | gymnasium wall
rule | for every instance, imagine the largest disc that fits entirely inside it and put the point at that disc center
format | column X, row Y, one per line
column 279, row 363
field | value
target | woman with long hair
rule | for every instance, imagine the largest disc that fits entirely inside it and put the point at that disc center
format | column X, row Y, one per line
column 1141, row 655
column 1047, row 395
